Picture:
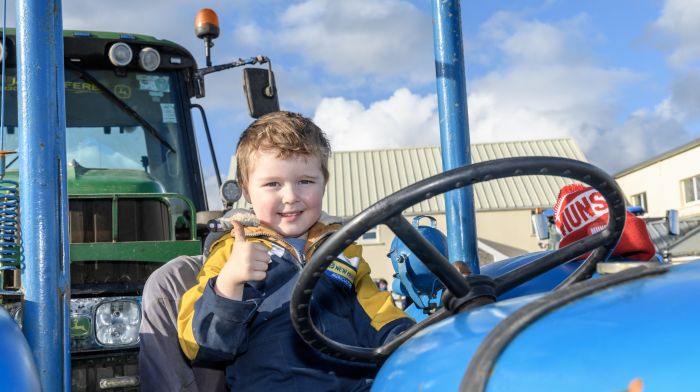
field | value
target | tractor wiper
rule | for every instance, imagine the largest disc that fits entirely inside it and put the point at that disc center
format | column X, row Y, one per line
column 11, row 162
column 84, row 74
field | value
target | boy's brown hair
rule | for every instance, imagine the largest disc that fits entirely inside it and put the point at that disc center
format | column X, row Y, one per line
column 287, row 133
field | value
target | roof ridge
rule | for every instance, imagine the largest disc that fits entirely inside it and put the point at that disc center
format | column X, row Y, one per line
column 473, row 144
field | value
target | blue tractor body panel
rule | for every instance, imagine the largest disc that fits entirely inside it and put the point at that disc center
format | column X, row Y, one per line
column 645, row 329
column 545, row 282
column 19, row 372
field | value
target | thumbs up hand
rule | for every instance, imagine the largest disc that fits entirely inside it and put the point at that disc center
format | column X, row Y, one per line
column 248, row 262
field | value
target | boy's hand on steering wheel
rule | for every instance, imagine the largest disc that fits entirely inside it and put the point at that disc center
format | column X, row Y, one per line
column 248, row 262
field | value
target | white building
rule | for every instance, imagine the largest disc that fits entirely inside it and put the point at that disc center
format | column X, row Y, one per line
column 668, row 181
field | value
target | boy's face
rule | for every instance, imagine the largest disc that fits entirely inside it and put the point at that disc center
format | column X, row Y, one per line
column 286, row 194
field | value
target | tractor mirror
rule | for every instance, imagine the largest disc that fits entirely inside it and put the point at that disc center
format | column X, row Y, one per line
column 674, row 227
column 260, row 91
column 539, row 223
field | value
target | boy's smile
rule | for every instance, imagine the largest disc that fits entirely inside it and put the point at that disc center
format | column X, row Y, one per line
column 286, row 194
column 290, row 215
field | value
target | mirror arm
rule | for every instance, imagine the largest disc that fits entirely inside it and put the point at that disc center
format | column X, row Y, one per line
column 260, row 59
column 240, row 62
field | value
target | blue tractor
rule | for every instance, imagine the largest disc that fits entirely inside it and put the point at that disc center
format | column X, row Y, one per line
column 538, row 322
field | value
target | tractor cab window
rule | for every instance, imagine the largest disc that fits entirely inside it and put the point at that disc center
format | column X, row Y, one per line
column 138, row 126
column 108, row 148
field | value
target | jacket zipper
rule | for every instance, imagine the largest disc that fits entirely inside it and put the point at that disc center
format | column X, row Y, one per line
column 300, row 259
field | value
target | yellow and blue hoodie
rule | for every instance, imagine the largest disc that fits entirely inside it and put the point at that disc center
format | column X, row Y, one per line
column 255, row 336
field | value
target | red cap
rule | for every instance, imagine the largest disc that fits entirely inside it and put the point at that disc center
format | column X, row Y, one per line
column 581, row 211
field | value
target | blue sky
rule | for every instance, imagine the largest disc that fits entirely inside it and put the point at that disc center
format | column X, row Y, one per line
column 620, row 77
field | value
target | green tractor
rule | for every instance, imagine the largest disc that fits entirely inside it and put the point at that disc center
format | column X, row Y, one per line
column 135, row 184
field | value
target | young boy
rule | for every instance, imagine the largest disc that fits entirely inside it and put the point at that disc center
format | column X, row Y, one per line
column 239, row 310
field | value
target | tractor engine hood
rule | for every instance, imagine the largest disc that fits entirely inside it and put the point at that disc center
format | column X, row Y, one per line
column 598, row 342
column 88, row 181
column 83, row 181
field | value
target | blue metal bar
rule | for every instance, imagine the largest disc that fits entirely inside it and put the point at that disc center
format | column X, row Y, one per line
column 64, row 278
column 454, row 128
column 43, row 205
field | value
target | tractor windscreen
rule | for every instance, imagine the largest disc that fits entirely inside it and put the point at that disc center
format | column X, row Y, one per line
column 137, row 124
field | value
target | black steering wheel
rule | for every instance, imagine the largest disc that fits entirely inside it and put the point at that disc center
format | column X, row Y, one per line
column 473, row 290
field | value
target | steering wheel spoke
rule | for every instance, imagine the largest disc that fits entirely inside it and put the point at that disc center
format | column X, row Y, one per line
column 600, row 241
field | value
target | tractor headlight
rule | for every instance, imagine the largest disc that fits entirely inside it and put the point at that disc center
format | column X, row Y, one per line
column 149, row 59
column 120, row 54
column 117, row 323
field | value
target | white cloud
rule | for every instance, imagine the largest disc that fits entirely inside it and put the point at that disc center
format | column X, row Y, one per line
column 536, row 42
column 568, row 95
column 642, row 135
column 685, row 96
column 513, row 39
column 534, row 102
column 159, row 18
column 249, row 34
column 362, row 37
column 402, row 120
column 679, row 23
column 552, row 86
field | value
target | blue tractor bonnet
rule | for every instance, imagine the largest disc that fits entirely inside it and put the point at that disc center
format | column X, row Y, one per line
column 412, row 277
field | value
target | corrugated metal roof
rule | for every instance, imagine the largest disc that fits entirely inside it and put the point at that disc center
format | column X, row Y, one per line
column 358, row 179
column 689, row 228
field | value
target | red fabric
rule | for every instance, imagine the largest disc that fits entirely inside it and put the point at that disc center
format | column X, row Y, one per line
column 581, row 211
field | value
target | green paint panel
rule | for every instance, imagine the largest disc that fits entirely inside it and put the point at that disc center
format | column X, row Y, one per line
column 151, row 251
column 147, row 39
column 90, row 181
column 86, row 181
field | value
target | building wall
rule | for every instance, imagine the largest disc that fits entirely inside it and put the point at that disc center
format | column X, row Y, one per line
column 662, row 183
column 511, row 227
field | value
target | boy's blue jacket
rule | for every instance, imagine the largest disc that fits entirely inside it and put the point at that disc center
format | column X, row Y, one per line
column 255, row 335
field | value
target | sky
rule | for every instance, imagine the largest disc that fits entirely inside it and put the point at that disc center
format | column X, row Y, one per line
column 620, row 77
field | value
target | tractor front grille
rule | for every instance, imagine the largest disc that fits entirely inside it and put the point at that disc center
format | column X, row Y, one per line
column 92, row 220
column 91, row 373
